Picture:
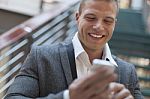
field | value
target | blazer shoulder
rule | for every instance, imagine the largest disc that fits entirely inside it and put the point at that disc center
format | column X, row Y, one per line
column 45, row 51
column 127, row 72
column 45, row 48
column 123, row 63
column 125, row 68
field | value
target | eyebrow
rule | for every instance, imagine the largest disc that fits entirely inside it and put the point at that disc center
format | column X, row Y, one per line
column 90, row 14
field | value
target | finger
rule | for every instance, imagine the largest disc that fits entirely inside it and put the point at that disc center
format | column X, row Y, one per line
column 102, row 95
column 116, row 87
column 129, row 97
column 79, row 85
column 99, row 87
column 101, row 76
column 93, row 77
column 123, row 94
column 102, row 84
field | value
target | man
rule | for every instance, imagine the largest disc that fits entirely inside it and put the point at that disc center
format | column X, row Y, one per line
column 63, row 71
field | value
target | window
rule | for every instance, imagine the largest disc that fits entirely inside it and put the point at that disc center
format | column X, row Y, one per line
column 28, row 7
column 124, row 4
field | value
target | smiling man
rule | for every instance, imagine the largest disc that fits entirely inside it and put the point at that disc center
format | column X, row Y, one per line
column 63, row 71
column 96, row 22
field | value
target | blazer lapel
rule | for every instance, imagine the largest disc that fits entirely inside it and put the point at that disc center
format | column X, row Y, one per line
column 71, row 56
column 117, row 71
column 118, row 74
column 66, row 64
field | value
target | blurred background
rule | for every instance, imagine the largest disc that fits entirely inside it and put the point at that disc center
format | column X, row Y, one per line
column 27, row 22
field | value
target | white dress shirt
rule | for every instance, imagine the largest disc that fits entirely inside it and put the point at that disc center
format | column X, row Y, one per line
column 82, row 61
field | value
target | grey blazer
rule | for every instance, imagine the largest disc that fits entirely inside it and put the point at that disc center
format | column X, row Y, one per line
column 46, row 73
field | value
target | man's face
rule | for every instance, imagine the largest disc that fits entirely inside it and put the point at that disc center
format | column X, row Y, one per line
column 96, row 23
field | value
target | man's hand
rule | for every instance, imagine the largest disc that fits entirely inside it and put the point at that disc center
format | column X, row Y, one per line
column 94, row 85
column 119, row 91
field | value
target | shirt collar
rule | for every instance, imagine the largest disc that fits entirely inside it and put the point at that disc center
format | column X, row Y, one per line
column 78, row 49
column 107, row 55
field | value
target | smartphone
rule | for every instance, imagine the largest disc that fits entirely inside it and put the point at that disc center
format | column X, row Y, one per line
column 97, row 63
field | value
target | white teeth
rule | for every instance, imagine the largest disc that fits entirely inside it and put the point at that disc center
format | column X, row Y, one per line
column 96, row 36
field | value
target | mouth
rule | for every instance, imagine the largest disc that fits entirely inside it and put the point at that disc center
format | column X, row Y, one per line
column 94, row 35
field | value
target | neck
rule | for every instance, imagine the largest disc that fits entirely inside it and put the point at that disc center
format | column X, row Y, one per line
column 94, row 54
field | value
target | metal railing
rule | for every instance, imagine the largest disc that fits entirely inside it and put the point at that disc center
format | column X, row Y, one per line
column 15, row 44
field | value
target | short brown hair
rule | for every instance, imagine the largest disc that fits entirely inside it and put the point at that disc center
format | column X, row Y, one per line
column 82, row 2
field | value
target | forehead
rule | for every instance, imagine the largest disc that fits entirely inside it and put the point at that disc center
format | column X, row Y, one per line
column 100, row 7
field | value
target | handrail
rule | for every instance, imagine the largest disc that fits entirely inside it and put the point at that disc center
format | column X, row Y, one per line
column 32, row 24
column 47, row 28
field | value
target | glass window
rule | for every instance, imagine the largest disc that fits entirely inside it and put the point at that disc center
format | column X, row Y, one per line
column 27, row 7
column 124, row 4
column 137, row 4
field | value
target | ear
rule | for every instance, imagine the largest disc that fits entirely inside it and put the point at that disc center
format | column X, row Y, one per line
column 116, row 20
column 77, row 16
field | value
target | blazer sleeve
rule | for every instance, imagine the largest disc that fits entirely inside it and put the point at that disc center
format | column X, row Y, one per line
column 26, row 85
column 134, row 87
column 128, row 77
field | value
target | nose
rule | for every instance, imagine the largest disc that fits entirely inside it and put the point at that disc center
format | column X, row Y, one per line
column 98, row 26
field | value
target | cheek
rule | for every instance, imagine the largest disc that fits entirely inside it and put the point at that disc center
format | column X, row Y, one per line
column 82, row 28
column 110, row 35
column 111, row 30
column 86, row 28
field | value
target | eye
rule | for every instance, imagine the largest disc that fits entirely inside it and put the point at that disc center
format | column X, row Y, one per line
column 90, row 18
column 109, row 21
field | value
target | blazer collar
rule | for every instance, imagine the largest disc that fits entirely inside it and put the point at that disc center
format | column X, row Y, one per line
column 117, row 70
column 68, row 62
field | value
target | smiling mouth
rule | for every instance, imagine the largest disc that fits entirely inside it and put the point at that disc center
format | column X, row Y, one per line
column 95, row 35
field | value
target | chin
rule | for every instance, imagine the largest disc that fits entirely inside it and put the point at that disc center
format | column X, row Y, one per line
column 95, row 48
